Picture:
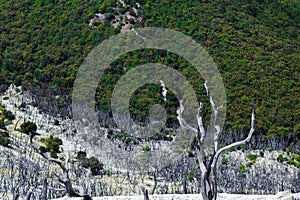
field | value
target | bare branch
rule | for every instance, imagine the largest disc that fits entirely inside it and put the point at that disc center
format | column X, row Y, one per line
column 236, row 144
column 200, row 123
column 182, row 121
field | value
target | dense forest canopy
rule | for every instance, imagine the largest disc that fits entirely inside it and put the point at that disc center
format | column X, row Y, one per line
column 255, row 45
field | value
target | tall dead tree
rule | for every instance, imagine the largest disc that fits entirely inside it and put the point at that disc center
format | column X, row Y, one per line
column 209, row 169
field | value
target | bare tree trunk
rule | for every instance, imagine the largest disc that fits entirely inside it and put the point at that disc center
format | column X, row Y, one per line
column 145, row 192
column 155, row 183
column 45, row 188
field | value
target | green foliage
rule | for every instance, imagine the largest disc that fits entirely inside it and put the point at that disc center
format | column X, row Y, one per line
column 254, row 44
column 56, row 122
column 123, row 138
column 8, row 122
column 252, row 157
column 281, row 158
column 52, row 145
column 96, row 166
column 146, row 148
column 243, row 169
column 191, row 175
column 29, row 128
column 2, row 124
column 294, row 160
column 18, row 90
column 4, row 138
column 8, row 115
column 225, row 160
column 250, row 163
column 108, row 172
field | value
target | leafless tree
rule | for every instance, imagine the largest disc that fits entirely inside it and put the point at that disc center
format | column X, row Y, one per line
column 209, row 167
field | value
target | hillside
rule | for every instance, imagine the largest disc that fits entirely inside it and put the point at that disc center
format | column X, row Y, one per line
column 255, row 45
column 242, row 173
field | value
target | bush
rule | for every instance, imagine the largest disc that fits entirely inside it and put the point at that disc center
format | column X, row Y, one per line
column 8, row 115
column 250, row 163
column 4, row 138
column 146, row 148
column 96, row 167
column 51, row 145
column 28, row 128
column 56, row 122
column 225, row 161
column 80, row 155
column 18, row 90
column 261, row 153
column 4, row 141
column 2, row 124
column 281, row 158
column 252, row 157
column 8, row 122
column 243, row 169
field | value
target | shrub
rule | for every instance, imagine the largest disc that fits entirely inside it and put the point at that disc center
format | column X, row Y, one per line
column 2, row 124
column 252, row 157
column 51, row 145
column 243, row 169
column 225, row 160
column 178, row 150
column 18, row 90
column 56, row 122
column 250, row 163
column 261, row 153
column 281, row 158
column 4, row 138
column 296, row 157
column 4, row 141
column 146, row 148
column 81, row 155
column 28, row 128
column 8, row 122
column 8, row 115
column 96, row 166
column 108, row 172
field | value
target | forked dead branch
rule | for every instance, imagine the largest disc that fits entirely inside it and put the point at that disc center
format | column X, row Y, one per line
column 208, row 167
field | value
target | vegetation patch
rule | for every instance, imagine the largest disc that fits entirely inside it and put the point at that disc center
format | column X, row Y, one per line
column 4, row 138
column 52, row 145
column 92, row 163
column 293, row 160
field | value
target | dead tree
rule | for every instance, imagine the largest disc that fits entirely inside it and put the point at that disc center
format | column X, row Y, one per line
column 66, row 181
column 209, row 169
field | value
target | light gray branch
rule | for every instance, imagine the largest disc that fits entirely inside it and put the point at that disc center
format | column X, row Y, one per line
column 182, row 121
column 239, row 143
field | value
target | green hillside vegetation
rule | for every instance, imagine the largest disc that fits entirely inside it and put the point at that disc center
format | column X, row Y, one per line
column 255, row 44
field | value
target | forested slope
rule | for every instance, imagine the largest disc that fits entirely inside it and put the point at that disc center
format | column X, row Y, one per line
column 255, row 45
